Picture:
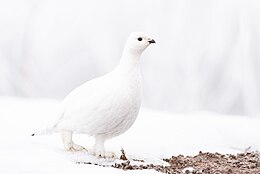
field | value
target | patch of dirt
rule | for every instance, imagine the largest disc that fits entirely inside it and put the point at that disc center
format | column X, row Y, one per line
column 203, row 163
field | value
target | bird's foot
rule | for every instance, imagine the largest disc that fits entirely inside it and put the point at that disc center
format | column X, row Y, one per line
column 72, row 147
column 105, row 155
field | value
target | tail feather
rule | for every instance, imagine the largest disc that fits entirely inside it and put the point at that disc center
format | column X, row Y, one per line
column 46, row 131
column 51, row 128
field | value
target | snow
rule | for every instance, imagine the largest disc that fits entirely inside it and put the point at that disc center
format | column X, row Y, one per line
column 188, row 170
column 155, row 135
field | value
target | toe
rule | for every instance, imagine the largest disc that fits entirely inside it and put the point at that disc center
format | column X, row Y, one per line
column 110, row 155
column 70, row 149
column 78, row 148
column 74, row 148
column 105, row 155
column 99, row 154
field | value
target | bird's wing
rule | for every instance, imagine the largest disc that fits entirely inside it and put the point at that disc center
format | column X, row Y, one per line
column 89, row 108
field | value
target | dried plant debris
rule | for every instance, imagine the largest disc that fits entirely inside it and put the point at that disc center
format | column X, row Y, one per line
column 123, row 157
column 203, row 163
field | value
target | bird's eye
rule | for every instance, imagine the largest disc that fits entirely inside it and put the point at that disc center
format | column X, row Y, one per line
column 140, row 39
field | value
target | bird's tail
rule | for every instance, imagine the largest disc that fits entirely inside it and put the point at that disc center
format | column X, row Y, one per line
column 46, row 131
column 50, row 129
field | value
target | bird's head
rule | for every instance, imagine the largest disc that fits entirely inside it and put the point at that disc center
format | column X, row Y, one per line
column 138, row 42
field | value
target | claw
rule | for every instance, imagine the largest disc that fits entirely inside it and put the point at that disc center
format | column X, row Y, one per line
column 74, row 148
column 105, row 155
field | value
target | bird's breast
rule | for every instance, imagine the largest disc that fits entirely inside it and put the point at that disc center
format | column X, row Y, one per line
column 126, row 106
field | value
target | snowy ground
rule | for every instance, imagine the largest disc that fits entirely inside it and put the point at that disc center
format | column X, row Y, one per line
column 155, row 135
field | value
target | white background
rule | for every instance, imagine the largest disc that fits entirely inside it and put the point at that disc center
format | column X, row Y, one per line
column 206, row 57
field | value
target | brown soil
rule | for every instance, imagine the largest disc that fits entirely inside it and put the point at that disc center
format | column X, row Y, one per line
column 203, row 163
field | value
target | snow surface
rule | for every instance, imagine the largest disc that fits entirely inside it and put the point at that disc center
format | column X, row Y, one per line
column 155, row 135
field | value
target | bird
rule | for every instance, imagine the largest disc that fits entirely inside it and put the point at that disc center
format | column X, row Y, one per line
column 107, row 106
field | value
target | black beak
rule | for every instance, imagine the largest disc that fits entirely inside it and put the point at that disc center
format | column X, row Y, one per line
column 151, row 41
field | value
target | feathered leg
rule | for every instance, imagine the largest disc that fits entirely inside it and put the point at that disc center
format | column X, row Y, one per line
column 99, row 148
column 68, row 143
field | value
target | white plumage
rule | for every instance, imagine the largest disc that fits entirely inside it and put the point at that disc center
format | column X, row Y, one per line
column 107, row 106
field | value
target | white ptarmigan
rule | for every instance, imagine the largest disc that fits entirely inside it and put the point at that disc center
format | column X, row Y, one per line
column 107, row 106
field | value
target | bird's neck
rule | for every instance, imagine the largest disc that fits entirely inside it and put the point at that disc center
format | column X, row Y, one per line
column 129, row 62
